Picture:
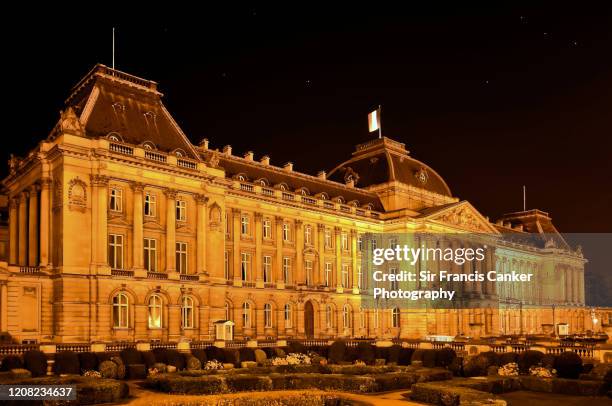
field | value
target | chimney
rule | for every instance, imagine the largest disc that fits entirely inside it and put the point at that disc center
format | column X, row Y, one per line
column 265, row 160
column 204, row 143
column 288, row 167
column 322, row 175
column 249, row 156
column 227, row 150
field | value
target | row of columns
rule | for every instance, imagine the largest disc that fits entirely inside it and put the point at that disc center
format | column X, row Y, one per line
column 29, row 222
column 574, row 285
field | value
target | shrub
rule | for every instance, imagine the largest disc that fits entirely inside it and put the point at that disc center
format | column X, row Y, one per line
column 148, row 358
column 200, row 355
column 232, row 356
column 351, row 354
column 176, row 359
column 88, row 361
column 445, row 356
column 429, row 358
column 394, row 353
column 279, row 352
column 269, row 352
column 102, row 356
column 478, row 365
column 67, row 363
column 215, row 353
column 456, row 367
column 160, row 366
column 136, row 371
column 382, row 353
column 405, row 356
column 11, row 362
column 246, row 354
column 568, row 365
column 36, row 362
column 241, row 383
column 296, row 347
column 192, row 363
column 417, row 355
column 260, row 356
column 548, row 361
column 161, row 355
column 131, row 356
column 528, row 359
column 365, row 352
column 108, row 369
column 337, row 352
column 508, row 358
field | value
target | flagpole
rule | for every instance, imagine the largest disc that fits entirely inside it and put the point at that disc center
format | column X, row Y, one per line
column 380, row 121
column 113, row 48
column 524, row 198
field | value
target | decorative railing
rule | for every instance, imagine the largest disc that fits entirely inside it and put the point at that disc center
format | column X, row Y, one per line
column 200, row 345
column 247, row 188
column 309, row 200
column 288, row 196
column 186, row 163
column 157, row 275
column 121, row 149
column 267, row 192
column 122, row 272
column 16, row 349
column 114, row 347
column 192, row 278
column 170, row 346
column 235, row 344
column 155, row 156
column 31, row 270
column 73, row 347
column 498, row 348
column 329, row 205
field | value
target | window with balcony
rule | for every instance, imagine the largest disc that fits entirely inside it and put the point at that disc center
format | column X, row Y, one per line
column 115, row 251
column 150, row 204
column 267, row 269
column 150, row 254
column 181, row 210
column 181, row 257
column 116, row 200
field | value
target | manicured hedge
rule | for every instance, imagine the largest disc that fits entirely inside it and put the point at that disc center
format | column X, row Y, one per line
column 296, row 347
column 246, row 354
column 67, row 362
column 568, row 365
column 215, row 353
column 366, row 353
column 161, row 355
column 405, row 356
column 201, row 355
column 445, row 357
column 528, row 359
column 232, row 356
column 11, row 362
column 337, row 352
column 88, row 361
column 36, row 362
column 148, row 358
column 394, row 354
column 176, row 359
column 131, row 356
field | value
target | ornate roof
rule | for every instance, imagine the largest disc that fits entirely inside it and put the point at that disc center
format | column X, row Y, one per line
column 384, row 160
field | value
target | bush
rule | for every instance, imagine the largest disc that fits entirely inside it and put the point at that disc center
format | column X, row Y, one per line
column 279, row 352
column 216, row 353
column 102, row 356
column 337, row 352
column 148, row 358
column 11, row 362
column 36, row 362
column 108, row 369
column 528, row 359
column 246, row 354
column 200, row 355
column 241, row 383
column 131, row 356
column 478, row 365
column 295, row 347
column 351, row 354
column 366, row 353
column 192, row 363
column 456, row 367
column 445, row 357
column 260, row 356
column 394, row 353
column 67, row 363
column 568, row 365
column 417, row 355
column 548, row 361
column 269, row 352
column 88, row 361
column 136, row 371
column 405, row 356
column 161, row 355
column 508, row 357
column 232, row 356
column 176, row 359
column 429, row 358
column 382, row 353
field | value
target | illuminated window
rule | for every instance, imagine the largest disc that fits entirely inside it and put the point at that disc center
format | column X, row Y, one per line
column 115, row 251
column 187, row 314
column 150, row 205
column 226, row 265
column 116, row 200
column 288, row 315
column 362, row 317
column 181, row 257
column 328, row 238
column 267, row 269
column 344, row 239
column 360, row 281
column 345, row 276
column 346, row 316
column 267, row 229
column 121, row 310
column 286, row 232
column 268, row 315
column 244, row 224
column 246, row 315
column 329, row 319
column 181, row 210
column 328, row 273
column 308, row 235
column 308, row 268
column 360, row 243
column 395, row 317
column 150, row 254
column 155, row 312
column 287, row 270
column 245, row 266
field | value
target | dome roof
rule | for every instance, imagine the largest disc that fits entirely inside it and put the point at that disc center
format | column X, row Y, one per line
column 384, row 160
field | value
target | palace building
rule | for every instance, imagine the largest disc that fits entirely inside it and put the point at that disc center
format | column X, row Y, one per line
column 119, row 228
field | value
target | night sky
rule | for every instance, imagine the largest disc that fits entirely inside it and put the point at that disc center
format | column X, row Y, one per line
column 491, row 99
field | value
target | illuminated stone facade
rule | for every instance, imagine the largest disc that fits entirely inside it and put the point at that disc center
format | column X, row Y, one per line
column 120, row 229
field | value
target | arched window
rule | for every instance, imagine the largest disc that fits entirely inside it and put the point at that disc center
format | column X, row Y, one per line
column 246, row 315
column 346, row 316
column 329, row 321
column 288, row 315
column 187, row 314
column 155, row 311
column 268, row 315
column 395, row 317
column 121, row 311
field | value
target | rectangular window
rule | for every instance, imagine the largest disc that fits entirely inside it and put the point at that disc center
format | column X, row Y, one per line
column 150, row 205
column 308, row 269
column 150, row 254
column 228, row 226
column 287, row 270
column 328, row 238
column 286, row 232
column 360, row 283
column 360, row 243
column 394, row 283
column 345, row 276
column 308, row 235
column 328, row 273
column 181, row 210
column 245, row 266
column 267, row 229
column 373, row 244
column 345, row 245
column 181, row 257
column 244, row 224
column 226, row 265
column 115, row 251
column 267, row 269
column 392, row 243
column 116, row 200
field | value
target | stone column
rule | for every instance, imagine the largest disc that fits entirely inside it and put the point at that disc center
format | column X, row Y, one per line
column 319, row 277
column 3, row 306
column 201, row 201
column 45, row 221
column 137, row 224
column 338, row 273
column 236, row 246
column 568, row 286
column 33, row 227
column 170, row 230
column 576, row 285
column 355, row 277
column 581, row 286
column 23, row 229
column 258, row 260
column 300, row 277
column 278, row 224
column 13, row 231
column 99, row 236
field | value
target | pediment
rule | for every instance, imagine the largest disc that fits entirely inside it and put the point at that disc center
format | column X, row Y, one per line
column 118, row 219
column 461, row 215
column 152, row 224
